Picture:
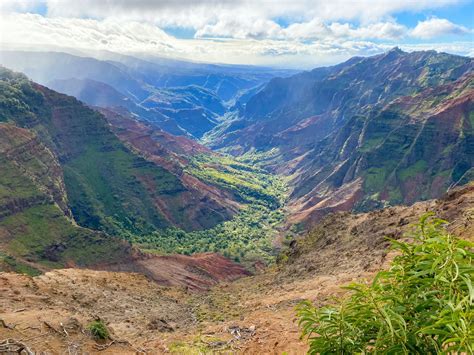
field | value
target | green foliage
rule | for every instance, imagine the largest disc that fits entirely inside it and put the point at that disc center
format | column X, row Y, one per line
column 247, row 237
column 109, row 187
column 249, row 182
column 98, row 329
column 422, row 305
column 8, row 263
column 375, row 179
column 43, row 234
column 419, row 167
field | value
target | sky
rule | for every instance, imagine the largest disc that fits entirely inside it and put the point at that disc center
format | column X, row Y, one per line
column 292, row 34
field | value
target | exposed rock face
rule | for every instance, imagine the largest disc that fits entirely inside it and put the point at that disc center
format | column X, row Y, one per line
column 20, row 148
column 197, row 272
column 412, row 149
column 389, row 129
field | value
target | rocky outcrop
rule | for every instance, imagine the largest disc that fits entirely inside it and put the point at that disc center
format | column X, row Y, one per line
column 355, row 243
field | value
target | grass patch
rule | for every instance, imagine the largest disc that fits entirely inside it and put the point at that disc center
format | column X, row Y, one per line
column 413, row 170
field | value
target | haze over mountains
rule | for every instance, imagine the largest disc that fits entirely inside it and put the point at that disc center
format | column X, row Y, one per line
column 184, row 98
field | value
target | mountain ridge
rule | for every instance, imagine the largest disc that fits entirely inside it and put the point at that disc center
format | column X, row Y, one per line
column 335, row 107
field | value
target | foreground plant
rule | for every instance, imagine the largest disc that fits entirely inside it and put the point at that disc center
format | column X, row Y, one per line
column 422, row 305
column 98, row 329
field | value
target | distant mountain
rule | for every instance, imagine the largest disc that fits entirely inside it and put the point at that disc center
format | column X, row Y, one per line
column 392, row 128
column 44, row 67
column 228, row 82
column 180, row 97
column 92, row 92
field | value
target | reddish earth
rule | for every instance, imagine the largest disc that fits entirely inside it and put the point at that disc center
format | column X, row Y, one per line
column 197, row 272
column 172, row 153
column 251, row 315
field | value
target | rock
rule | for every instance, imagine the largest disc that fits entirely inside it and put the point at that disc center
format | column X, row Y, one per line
column 160, row 325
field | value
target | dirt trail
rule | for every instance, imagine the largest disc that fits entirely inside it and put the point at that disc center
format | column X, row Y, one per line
column 251, row 315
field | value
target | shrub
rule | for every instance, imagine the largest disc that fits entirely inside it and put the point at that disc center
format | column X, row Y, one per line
column 422, row 305
column 98, row 329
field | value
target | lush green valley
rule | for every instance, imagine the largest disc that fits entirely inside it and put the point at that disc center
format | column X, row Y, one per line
column 249, row 236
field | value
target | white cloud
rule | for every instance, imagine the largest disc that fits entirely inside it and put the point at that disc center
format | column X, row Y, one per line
column 198, row 13
column 250, row 27
column 228, row 32
column 380, row 30
column 436, row 27
column 84, row 33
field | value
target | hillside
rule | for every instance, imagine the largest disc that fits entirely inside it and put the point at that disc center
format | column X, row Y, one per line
column 163, row 193
column 37, row 231
column 370, row 132
column 251, row 315
column 108, row 186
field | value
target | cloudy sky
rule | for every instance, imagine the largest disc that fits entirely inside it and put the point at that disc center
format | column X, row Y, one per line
column 297, row 33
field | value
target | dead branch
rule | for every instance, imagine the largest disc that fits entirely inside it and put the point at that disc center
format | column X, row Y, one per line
column 5, row 325
column 14, row 346
column 49, row 326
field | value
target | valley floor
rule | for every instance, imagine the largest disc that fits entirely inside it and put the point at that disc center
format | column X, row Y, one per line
column 252, row 315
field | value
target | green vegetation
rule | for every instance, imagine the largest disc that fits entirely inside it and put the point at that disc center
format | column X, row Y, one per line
column 43, row 234
column 375, row 179
column 422, row 305
column 371, row 144
column 245, row 238
column 249, row 182
column 98, row 329
column 109, row 187
column 419, row 167
column 9, row 263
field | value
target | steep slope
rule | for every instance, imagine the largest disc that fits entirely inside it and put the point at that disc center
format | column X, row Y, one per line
column 173, row 153
column 356, row 135
column 36, row 229
column 241, row 187
column 415, row 148
column 108, row 186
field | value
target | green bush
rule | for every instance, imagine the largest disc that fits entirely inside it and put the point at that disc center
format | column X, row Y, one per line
column 98, row 329
column 422, row 305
